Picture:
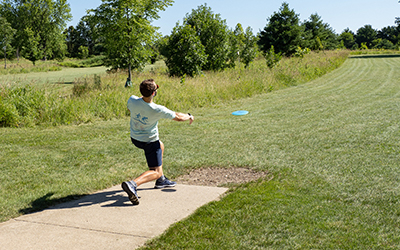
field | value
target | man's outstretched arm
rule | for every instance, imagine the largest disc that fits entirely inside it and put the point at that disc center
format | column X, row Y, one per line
column 180, row 117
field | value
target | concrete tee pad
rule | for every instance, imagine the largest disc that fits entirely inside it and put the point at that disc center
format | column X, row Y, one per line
column 106, row 219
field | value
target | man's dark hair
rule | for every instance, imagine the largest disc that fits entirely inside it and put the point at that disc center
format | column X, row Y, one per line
column 147, row 87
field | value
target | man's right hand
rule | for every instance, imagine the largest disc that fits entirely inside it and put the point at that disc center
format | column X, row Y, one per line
column 180, row 117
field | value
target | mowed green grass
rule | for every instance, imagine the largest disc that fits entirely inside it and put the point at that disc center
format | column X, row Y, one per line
column 66, row 75
column 331, row 147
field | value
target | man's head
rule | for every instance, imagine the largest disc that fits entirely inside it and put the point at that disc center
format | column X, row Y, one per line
column 148, row 87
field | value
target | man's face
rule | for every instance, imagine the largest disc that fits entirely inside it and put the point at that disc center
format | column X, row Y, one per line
column 155, row 92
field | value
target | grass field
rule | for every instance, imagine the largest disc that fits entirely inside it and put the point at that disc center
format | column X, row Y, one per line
column 331, row 145
column 64, row 76
column 333, row 148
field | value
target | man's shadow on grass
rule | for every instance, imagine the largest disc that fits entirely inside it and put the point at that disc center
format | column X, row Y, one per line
column 117, row 198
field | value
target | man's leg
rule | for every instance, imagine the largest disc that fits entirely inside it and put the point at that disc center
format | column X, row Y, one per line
column 163, row 181
column 130, row 187
column 149, row 175
column 153, row 173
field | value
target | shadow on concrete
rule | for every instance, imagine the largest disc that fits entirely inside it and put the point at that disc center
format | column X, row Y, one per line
column 116, row 198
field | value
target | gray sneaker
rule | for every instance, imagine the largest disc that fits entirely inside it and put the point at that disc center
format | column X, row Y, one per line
column 163, row 182
column 130, row 189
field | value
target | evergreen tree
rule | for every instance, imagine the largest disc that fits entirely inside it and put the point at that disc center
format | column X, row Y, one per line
column 347, row 39
column 365, row 35
column 318, row 35
column 282, row 31
column 390, row 33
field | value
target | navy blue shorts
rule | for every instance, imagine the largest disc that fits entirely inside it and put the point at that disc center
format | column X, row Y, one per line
column 152, row 151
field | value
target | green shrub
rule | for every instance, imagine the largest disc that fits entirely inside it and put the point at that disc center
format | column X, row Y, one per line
column 54, row 68
column 8, row 115
column 80, row 88
column 83, row 52
column 69, row 64
column 272, row 58
column 90, row 62
column 85, row 85
column 364, row 46
column 94, row 61
column 301, row 52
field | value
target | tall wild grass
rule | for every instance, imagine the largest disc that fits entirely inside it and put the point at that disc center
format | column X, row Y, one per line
column 93, row 98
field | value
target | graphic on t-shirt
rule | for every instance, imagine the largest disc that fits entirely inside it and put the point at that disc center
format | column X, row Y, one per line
column 142, row 120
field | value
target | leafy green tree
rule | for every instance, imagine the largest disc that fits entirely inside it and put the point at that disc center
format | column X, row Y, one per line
column 71, row 35
column 87, row 37
column 185, row 55
column 243, row 46
column 347, row 38
column 31, row 46
column 250, row 48
column 318, row 35
column 59, row 47
column 38, row 23
column 125, row 27
column 83, row 35
column 366, row 35
column 83, row 52
column 214, row 34
column 158, row 47
column 237, row 42
column 282, row 31
column 8, row 10
column 5, row 37
column 75, row 38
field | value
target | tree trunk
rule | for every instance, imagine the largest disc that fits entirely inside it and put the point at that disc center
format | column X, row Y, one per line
column 130, row 71
column 18, row 55
column 129, row 80
column 5, row 57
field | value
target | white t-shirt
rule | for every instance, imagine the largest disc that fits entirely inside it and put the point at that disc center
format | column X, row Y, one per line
column 144, row 119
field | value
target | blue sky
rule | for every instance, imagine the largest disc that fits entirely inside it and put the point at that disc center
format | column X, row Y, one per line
column 339, row 14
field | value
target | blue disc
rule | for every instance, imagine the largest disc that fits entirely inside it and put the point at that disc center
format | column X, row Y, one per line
column 240, row 112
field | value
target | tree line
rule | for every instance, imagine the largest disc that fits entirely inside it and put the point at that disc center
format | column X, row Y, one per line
column 33, row 29
column 122, row 31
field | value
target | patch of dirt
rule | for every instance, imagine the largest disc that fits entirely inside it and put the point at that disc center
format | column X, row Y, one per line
column 213, row 176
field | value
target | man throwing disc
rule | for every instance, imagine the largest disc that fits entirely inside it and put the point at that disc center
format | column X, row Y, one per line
column 144, row 135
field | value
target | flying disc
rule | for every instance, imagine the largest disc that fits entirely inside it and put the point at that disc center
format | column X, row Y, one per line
column 240, row 112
